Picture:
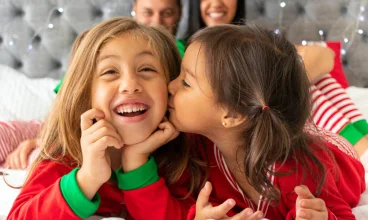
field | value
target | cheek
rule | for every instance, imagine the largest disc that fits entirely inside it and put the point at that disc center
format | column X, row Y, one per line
column 100, row 96
column 170, row 21
column 142, row 19
column 203, row 8
column 159, row 93
column 232, row 5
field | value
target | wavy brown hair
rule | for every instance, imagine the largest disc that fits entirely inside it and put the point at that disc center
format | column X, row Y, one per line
column 248, row 68
column 61, row 133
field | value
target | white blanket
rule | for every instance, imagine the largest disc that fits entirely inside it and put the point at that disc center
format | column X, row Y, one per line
column 22, row 98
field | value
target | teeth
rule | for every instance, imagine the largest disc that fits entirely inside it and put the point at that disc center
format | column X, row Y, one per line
column 216, row 14
column 129, row 108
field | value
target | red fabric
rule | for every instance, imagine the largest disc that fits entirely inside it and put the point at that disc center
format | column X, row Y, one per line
column 338, row 70
column 41, row 198
column 341, row 190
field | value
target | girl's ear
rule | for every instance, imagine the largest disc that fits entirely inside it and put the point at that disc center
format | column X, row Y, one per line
column 232, row 119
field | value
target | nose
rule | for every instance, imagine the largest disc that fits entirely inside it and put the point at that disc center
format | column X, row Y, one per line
column 130, row 85
column 172, row 86
column 157, row 20
column 216, row 3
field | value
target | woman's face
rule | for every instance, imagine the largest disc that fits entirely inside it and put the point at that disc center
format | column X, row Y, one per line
column 214, row 12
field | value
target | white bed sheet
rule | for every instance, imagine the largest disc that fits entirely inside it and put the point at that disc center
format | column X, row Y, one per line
column 24, row 98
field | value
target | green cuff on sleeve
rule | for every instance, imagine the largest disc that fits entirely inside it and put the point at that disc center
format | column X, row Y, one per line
column 362, row 126
column 351, row 134
column 73, row 195
column 138, row 178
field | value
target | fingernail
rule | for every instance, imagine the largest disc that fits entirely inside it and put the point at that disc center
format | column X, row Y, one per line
column 205, row 185
column 260, row 215
column 231, row 202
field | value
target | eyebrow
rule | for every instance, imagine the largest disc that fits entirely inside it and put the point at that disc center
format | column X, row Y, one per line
column 162, row 9
column 188, row 71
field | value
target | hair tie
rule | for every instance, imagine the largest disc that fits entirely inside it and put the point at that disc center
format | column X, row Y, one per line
column 265, row 107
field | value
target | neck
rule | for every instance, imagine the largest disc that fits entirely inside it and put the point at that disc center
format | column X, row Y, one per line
column 227, row 141
column 115, row 156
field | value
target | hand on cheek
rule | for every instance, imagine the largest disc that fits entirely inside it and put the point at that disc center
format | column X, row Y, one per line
column 308, row 206
column 136, row 155
column 95, row 139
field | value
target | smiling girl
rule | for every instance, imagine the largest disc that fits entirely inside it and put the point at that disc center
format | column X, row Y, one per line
column 110, row 108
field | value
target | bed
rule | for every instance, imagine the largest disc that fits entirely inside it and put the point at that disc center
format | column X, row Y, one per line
column 36, row 37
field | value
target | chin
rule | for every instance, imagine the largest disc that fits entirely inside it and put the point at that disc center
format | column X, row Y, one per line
column 135, row 139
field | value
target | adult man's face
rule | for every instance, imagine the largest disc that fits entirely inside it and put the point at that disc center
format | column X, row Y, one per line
column 164, row 13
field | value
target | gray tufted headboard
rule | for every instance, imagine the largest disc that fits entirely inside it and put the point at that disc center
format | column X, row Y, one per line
column 36, row 35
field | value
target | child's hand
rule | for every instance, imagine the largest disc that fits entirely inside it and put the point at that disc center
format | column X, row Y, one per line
column 96, row 138
column 18, row 159
column 205, row 211
column 317, row 60
column 308, row 206
column 136, row 155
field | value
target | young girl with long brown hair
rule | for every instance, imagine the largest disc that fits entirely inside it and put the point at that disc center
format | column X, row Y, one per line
column 246, row 90
column 95, row 158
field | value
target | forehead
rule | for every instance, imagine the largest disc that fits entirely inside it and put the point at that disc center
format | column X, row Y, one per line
column 156, row 4
column 194, row 59
column 125, row 44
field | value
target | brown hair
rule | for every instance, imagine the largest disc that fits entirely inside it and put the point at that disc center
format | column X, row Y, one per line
column 61, row 133
column 249, row 68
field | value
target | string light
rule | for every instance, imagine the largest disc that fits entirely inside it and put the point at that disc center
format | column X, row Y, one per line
column 61, row 10
column 348, row 34
column 50, row 26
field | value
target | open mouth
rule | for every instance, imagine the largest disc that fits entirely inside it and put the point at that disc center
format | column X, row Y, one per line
column 131, row 110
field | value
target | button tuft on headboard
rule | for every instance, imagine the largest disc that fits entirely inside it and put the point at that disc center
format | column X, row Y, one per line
column 19, row 12
column 301, row 9
column 57, row 64
column 18, row 64
column 343, row 10
column 36, row 39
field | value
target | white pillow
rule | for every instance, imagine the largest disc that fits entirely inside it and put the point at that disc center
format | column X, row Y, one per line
column 23, row 98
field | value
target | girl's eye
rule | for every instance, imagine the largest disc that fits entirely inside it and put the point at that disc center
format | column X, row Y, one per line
column 185, row 84
column 109, row 72
column 147, row 69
